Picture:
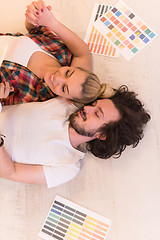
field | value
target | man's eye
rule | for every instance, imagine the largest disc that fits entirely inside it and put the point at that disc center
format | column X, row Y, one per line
column 63, row 88
column 67, row 73
column 96, row 114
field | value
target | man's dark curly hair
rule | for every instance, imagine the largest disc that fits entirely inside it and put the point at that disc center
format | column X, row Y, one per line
column 125, row 132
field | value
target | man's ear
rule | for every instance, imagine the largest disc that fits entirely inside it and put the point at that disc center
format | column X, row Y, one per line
column 101, row 136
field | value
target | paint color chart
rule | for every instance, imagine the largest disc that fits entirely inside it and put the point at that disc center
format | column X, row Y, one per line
column 125, row 30
column 67, row 220
column 97, row 43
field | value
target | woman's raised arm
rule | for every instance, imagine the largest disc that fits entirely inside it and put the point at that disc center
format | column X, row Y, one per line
column 38, row 14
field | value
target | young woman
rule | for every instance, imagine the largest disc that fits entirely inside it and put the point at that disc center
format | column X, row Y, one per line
column 42, row 65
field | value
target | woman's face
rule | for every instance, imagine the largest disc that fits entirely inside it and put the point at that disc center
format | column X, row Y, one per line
column 66, row 82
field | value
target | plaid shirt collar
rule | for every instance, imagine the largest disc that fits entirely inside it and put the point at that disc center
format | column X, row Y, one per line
column 27, row 86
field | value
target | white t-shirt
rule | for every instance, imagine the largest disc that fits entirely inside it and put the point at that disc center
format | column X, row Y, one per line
column 18, row 49
column 37, row 133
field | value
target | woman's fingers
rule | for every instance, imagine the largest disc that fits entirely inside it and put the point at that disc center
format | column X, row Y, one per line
column 35, row 5
column 31, row 18
column 40, row 5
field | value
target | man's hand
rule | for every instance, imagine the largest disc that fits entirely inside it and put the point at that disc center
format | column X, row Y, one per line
column 5, row 89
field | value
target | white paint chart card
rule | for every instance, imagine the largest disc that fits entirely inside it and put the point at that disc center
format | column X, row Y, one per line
column 98, row 44
column 125, row 29
column 69, row 221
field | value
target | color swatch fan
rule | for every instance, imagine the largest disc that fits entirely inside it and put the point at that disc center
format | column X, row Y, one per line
column 97, row 43
column 125, row 30
column 67, row 220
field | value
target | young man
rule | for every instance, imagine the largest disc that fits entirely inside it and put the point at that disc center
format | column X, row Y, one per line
column 42, row 144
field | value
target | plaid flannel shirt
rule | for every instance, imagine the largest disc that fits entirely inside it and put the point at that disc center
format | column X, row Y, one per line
column 27, row 86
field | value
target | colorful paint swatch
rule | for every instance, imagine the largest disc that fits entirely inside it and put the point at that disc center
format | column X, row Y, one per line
column 133, row 34
column 97, row 43
column 67, row 220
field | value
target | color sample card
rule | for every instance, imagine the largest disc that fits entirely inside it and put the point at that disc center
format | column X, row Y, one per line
column 67, row 220
column 97, row 43
column 127, row 32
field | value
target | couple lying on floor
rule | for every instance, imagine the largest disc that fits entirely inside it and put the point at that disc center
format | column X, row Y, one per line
column 44, row 139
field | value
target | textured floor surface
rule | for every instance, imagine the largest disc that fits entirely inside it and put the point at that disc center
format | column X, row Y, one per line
column 126, row 190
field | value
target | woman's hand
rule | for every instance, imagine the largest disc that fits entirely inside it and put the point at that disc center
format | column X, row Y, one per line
column 38, row 14
column 5, row 89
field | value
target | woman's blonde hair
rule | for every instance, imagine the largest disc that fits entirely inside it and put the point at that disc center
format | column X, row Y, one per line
column 93, row 89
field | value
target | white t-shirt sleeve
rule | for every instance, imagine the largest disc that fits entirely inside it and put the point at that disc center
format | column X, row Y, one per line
column 59, row 174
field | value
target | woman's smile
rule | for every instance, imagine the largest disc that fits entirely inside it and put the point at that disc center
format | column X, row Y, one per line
column 52, row 78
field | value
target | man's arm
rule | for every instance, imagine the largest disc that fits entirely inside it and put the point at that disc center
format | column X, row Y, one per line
column 36, row 17
column 20, row 172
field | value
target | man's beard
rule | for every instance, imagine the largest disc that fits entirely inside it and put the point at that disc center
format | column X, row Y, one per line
column 78, row 128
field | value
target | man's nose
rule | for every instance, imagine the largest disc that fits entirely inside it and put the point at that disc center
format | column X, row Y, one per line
column 89, row 109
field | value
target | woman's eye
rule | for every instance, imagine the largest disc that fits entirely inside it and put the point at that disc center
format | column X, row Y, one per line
column 67, row 73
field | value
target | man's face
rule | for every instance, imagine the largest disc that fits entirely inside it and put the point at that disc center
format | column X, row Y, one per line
column 91, row 118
